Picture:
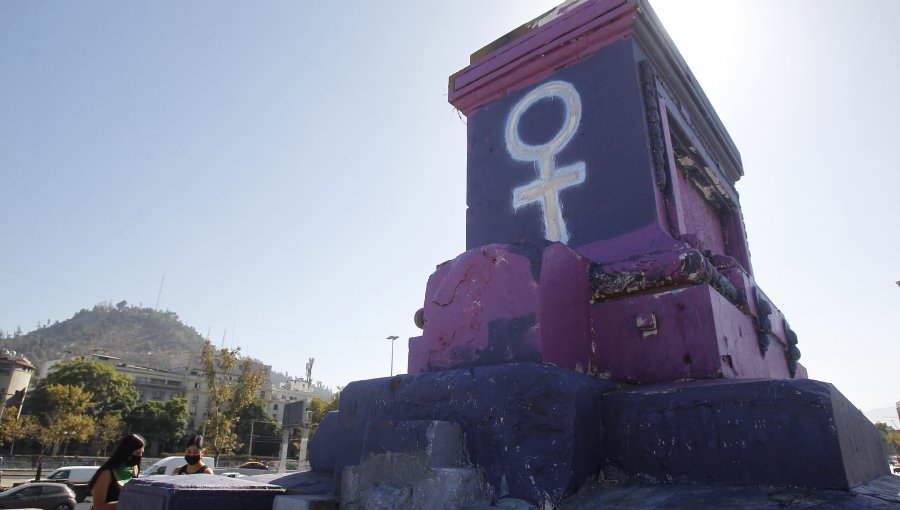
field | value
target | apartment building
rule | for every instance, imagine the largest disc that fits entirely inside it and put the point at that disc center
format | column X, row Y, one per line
column 294, row 390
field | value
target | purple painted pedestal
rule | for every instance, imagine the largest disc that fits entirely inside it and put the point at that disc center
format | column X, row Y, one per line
column 509, row 303
column 605, row 247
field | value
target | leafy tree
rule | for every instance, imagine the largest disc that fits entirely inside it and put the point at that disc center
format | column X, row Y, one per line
column 110, row 429
column 12, row 427
column 66, row 418
column 163, row 422
column 230, row 390
column 112, row 392
column 254, row 418
column 890, row 436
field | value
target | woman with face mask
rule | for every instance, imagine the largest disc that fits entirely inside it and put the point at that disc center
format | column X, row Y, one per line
column 123, row 465
column 193, row 455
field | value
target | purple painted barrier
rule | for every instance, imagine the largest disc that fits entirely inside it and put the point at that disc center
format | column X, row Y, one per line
column 197, row 491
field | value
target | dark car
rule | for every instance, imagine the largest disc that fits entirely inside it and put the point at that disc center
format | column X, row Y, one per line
column 43, row 495
column 253, row 465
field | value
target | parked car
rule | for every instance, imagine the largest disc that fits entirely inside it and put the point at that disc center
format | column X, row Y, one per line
column 253, row 465
column 167, row 465
column 75, row 477
column 42, row 495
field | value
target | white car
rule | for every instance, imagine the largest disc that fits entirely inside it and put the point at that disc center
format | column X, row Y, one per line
column 76, row 477
column 166, row 466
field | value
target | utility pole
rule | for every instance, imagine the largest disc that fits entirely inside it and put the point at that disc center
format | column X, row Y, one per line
column 250, row 448
column 160, row 291
column 392, row 338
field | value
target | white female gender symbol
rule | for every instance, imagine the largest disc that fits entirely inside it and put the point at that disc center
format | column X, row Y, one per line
column 550, row 179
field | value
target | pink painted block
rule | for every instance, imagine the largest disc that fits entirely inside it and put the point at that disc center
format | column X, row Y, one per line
column 498, row 304
column 682, row 334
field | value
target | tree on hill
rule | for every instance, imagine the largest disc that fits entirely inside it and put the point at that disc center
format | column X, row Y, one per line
column 136, row 335
column 112, row 392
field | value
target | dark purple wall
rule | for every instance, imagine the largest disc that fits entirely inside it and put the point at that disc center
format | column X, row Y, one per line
column 617, row 194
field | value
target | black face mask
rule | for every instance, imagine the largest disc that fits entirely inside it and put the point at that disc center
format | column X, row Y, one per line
column 192, row 459
column 133, row 460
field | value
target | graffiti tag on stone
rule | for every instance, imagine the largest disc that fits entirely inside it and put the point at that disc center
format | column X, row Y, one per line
column 550, row 178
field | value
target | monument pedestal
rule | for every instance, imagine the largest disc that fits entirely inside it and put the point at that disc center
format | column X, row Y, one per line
column 533, row 429
column 539, row 433
column 778, row 432
column 605, row 247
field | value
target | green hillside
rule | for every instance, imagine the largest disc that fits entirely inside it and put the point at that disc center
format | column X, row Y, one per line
column 140, row 336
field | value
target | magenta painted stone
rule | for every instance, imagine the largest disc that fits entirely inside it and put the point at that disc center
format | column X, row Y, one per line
column 500, row 304
column 682, row 334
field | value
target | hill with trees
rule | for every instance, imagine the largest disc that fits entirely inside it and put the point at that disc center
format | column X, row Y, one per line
column 135, row 335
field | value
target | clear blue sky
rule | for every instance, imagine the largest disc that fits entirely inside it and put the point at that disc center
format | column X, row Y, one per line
column 296, row 173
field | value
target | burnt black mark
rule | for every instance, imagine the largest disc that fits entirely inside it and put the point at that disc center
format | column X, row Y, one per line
column 695, row 269
column 791, row 349
column 654, row 125
column 728, row 361
column 534, row 252
column 507, row 341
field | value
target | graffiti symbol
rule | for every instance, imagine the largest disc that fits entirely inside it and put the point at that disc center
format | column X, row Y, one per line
column 550, row 179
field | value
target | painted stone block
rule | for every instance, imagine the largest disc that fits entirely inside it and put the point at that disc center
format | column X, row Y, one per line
column 565, row 160
column 784, row 432
column 681, row 334
column 506, row 303
column 321, row 451
column 532, row 428
column 442, row 442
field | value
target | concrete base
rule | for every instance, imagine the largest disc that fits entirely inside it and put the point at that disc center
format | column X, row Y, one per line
column 408, row 482
column 533, row 429
column 880, row 494
column 305, row 503
column 794, row 432
column 538, row 433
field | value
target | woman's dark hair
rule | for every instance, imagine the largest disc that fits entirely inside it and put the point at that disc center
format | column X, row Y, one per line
column 194, row 440
column 128, row 444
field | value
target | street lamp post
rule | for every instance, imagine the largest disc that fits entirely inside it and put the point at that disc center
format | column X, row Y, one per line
column 392, row 338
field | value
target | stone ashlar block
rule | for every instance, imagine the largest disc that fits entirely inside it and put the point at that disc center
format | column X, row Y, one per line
column 506, row 303
column 324, row 443
column 779, row 432
column 441, row 442
column 406, row 482
column 683, row 334
column 305, row 503
column 532, row 428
